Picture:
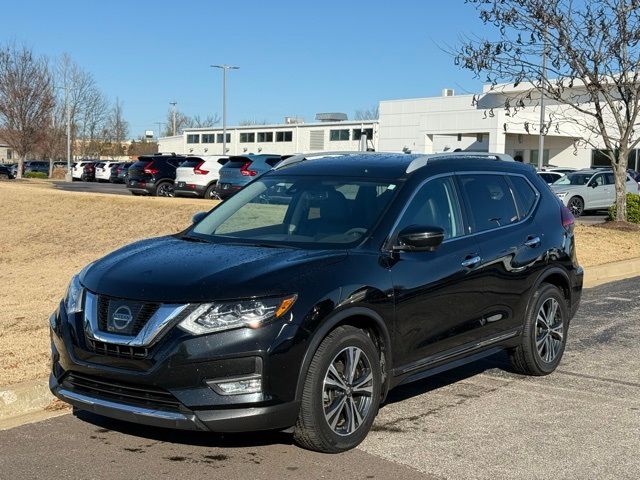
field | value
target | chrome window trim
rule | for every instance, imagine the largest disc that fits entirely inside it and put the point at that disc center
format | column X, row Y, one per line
column 394, row 233
column 155, row 326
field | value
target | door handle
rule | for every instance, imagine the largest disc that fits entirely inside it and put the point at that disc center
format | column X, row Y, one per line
column 471, row 262
column 532, row 242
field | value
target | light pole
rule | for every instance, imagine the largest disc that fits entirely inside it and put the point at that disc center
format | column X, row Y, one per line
column 224, row 103
column 67, row 104
column 173, row 116
column 542, row 80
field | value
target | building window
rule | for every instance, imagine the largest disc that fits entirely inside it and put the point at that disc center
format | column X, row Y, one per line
column 479, row 137
column 208, row 138
column 338, row 135
column 545, row 157
column 459, row 137
column 284, row 136
column 265, row 137
column 219, row 138
column 9, row 154
column 247, row 137
column 357, row 133
column 193, row 138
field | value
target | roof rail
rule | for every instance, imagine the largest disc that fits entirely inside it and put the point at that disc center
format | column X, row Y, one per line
column 422, row 161
column 301, row 157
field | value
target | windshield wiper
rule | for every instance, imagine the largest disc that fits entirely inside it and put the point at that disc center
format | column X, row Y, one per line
column 194, row 239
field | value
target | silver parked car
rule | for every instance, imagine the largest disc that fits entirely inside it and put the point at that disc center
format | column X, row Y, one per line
column 589, row 190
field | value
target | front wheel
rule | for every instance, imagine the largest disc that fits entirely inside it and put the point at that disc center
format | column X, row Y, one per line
column 576, row 206
column 545, row 333
column 341, row 392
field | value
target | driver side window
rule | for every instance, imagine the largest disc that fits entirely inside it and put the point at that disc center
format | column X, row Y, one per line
column 435, row 205
column 597, row 180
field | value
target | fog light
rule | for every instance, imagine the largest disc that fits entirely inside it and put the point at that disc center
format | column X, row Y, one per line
column 237, row 386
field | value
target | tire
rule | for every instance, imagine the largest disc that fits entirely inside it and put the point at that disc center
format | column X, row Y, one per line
column 536, row 355
column 312, row 430
column 210, row 193
column 164, row 189
column 576, row 206
column 135, row 194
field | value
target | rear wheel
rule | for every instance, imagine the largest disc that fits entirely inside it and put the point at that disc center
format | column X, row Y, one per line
column 211, row 193
column 165, row 189
column 341, row 392
column 545, row 333
column 576, row 206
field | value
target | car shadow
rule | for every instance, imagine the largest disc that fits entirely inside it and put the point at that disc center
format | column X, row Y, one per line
column 499, row 362
column 185, row 437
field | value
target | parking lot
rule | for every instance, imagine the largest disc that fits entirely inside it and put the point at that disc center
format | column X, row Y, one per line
column 481, row 421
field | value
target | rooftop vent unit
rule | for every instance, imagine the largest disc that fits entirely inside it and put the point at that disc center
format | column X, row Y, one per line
column 293, row 120
column 448, row 92
column 331, row 117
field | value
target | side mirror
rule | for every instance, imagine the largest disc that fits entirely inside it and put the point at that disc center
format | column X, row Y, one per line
column 593, row 184
column 417, row 238
column 198, row 217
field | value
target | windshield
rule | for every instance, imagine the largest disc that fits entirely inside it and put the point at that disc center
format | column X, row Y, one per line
column 297, row 211
column 574, row 179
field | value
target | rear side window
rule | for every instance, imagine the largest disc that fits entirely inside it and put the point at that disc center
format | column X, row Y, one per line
column 490, row 200
column 524, row 194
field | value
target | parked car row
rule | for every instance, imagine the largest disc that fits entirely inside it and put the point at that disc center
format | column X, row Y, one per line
column 206, row 176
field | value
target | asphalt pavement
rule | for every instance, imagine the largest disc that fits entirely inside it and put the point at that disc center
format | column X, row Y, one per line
column 92, row 187
column 481, row 421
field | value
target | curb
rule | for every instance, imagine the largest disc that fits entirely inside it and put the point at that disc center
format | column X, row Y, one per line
column 32, row 401
column 610, row 272
column 23, row 399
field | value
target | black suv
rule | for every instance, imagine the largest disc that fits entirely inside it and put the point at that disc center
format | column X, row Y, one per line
column 154, row 174
column 324, row 283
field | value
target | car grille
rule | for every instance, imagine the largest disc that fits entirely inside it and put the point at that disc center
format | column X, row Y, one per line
column 141, row 312
column 141, row 395
column 113, row 350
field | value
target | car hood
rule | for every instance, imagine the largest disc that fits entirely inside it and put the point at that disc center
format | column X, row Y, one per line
column 173, row 270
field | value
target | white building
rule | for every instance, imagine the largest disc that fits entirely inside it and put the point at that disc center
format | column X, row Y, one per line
column 283, row 139
column 6, row 153
column 422, row 125
column 481, row 123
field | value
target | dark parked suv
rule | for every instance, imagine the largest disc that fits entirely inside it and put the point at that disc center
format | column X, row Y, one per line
column 240, row 170
column 366, row 271
column 154, row 174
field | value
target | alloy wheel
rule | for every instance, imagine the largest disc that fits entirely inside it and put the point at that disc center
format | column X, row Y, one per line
column 165, row 190
column 549, row 330
column 347, row 391
column 576, row 206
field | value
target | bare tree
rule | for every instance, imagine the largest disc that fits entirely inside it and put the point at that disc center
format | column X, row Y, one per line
column 372, row 113
column 184, row 121
column 592, row 75
column 116, row 130
column 26, row 99
column 204, row 122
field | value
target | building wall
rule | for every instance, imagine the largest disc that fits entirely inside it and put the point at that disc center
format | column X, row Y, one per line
column 6, row 154
column 301, row 139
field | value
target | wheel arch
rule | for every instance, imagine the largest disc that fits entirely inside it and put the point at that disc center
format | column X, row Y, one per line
column 558, row 277
column 359, row 317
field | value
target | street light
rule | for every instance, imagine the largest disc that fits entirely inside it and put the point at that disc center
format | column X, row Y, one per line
column 173, row 115
column 67, row 106
column 224, row 103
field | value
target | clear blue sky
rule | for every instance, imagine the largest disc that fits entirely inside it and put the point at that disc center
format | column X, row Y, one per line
column 296, row 57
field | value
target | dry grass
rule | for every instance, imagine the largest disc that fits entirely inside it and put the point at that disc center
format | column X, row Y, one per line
column 48, row 235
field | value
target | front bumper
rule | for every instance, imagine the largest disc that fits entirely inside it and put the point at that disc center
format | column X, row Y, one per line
column 180, row 367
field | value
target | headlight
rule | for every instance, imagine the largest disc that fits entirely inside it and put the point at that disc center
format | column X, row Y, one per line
column 216, row 317
column 73, row 301
column 561, row 194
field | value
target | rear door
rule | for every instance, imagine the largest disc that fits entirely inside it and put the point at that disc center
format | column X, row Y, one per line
column 500, row 213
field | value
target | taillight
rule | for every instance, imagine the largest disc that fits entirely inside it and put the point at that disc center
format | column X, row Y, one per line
column 147, row 169
column 198, row 171
column 244, row 170
column 567, row 217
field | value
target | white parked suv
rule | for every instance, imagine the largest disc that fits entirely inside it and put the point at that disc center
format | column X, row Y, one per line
column 589, row 190
column 78, row 167
column 198, row 175
column 103, row 171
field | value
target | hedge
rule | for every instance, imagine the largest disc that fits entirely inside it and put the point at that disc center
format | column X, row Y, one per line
column 35, row 175
column 633, row 208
